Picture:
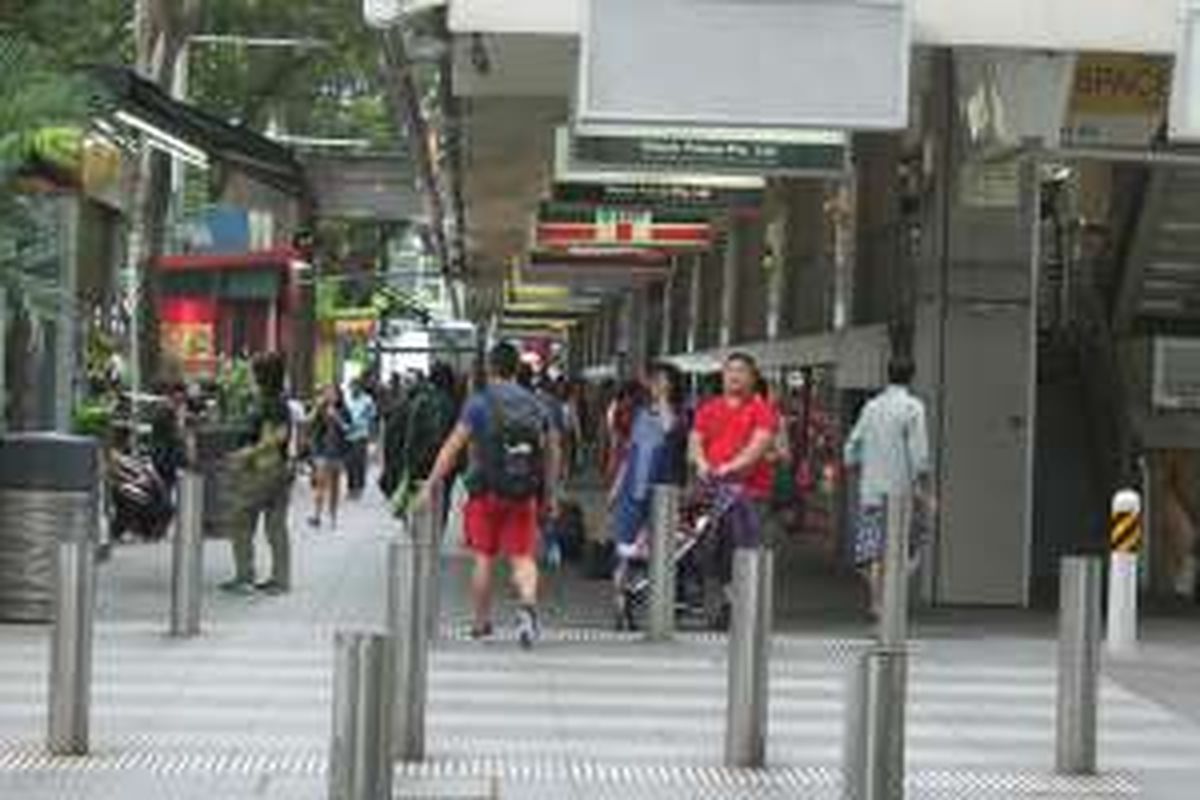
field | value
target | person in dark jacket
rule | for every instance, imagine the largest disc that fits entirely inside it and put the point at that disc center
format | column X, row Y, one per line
column 395, row 426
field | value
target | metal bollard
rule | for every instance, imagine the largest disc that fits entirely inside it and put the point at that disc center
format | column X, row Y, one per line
column 873, row 755
column 1078, row 664
column 360, row 765
column 1125, row 538
column 874, row 738
column 893, row 620
column 71, row 646
column 436, row 538
column 749, row 658
column 409, row 606
column 187, row 556
column 664, row 519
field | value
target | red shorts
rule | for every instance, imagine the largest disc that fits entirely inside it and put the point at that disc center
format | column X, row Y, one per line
column 494, row 525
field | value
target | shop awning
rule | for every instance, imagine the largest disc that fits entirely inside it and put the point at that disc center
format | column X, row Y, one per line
column 238, row 147
column 255, row 259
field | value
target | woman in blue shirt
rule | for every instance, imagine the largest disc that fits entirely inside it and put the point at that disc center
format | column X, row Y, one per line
column 656, row 454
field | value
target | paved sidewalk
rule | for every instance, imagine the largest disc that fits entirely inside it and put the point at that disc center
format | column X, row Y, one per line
column 244, row 711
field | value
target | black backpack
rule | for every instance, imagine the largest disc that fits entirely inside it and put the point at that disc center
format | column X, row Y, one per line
column 513, row 462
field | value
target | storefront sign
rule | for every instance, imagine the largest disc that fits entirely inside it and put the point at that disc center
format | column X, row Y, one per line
column 801, row 154
column 189, row 332
column 566, row 226
column 1118, row 99
column 567, row 170
column 645, row 195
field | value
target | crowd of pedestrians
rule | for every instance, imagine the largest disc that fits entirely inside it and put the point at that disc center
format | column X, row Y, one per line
column 514, row 440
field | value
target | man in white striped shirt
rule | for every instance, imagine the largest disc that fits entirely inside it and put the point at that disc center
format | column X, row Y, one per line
column 889, row 448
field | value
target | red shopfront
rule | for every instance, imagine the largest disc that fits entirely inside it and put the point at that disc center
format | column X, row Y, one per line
column 218, row 306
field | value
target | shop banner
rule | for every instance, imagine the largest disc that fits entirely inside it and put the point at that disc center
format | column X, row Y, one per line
column 566, row 226
column 1118, row 100
column 680, row 196
column 800, row 154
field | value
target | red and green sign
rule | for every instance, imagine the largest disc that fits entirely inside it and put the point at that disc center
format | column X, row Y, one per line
column 562, row 226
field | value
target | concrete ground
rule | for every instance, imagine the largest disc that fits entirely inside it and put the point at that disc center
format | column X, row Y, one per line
column 244, row 710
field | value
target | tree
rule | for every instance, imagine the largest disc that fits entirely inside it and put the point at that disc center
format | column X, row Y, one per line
column 329, row 90
column 34, row 98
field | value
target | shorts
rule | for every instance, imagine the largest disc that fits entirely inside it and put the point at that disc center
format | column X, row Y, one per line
column 870, row 540
column 495, row 525
column 328, row 463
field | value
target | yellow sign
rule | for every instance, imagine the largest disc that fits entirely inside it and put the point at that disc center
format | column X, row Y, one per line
column 1121, row 83
column 1117, row 100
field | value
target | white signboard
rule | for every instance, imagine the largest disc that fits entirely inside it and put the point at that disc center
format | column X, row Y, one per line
column 1185, row 89
column 841, row 64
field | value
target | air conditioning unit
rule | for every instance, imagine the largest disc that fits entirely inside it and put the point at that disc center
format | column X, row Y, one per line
column 1176, row 374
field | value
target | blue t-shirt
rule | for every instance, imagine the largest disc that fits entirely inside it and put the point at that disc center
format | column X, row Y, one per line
column 362, row 416
column 645, row 457
column 477, row 411
column 477, row 416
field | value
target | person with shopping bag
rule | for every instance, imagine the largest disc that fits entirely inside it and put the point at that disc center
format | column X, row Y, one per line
column 264, row 479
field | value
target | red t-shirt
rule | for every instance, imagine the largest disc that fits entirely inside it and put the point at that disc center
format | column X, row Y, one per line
column 725, row 428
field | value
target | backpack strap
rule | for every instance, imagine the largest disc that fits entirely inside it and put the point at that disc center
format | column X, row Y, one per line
column 495, row 411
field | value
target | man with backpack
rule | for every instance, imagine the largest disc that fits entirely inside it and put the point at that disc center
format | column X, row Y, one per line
column 514, row 455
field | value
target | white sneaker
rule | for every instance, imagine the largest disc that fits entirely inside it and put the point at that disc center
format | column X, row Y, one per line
column 528, row 630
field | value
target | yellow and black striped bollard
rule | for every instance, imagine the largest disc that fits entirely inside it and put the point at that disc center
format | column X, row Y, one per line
column 1125, row 542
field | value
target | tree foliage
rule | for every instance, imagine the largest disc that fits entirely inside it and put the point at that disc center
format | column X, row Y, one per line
column 36, row 98
column 325, row 90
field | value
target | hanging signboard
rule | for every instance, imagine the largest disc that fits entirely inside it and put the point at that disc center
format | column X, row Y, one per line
column 794, row 154
column 696, row 197
column 563, row 227
column 567, row 170
column 1117, row 100
column 829, row 64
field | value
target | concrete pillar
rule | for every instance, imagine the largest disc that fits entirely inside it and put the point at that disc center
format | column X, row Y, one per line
column 975, row 347
column 605, row 341
column 807, row 273
column 667, row 313
column 681, row 290
column 730, row 264
column 712, row 298
column 637, row 325
column 876, row 291
column 750, row 296
column 695, row 315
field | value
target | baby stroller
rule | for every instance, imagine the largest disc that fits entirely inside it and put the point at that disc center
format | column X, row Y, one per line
column 141, row 501
column 693, row 546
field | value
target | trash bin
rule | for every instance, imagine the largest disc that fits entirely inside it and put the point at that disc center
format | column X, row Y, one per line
column 213, row 444
column 49, row 491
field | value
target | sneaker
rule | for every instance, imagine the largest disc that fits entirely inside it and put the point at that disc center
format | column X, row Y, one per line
column 238, row 586
column 314, row 522
column 528, row 630
column 273, row 588
column 483, row 631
